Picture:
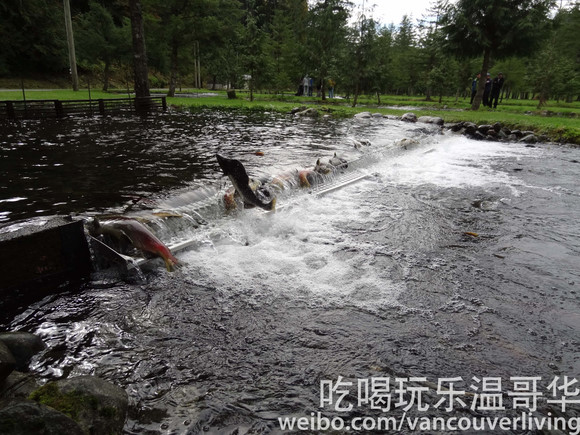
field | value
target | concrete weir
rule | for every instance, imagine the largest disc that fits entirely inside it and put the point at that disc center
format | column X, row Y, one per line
column 41, row 255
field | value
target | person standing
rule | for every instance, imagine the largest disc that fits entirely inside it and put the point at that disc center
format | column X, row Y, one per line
column 306, row 84
column 331, row 84
column 496, row 89
column 474, row 87
column 487, row 91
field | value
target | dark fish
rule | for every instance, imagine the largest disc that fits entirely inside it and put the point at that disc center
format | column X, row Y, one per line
column 239, row 178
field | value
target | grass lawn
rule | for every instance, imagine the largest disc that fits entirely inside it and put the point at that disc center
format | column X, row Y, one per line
column 559, row 121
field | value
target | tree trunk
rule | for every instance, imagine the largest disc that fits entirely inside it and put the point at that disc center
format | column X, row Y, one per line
column 356, row 91
column 174, row 73
column 483, row 77
column 71, row 46
column 106, row 75
column 139, row 52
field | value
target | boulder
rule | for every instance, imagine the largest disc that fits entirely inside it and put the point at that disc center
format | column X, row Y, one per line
column 377, row 115
column 23, row 346
column 98, row 406
column 310, row 112
column 7, row 362
column 484, row 128
column 470, row 128
column 456, row 127
column 363, row 115
column 26, row 417
column 409, row 117
column 497, row 127
column 17, row 385
column 530, row 139
column 431, row 120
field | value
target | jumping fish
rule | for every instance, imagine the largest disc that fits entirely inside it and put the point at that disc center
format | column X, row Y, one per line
column 239, row 178
column 139, row 236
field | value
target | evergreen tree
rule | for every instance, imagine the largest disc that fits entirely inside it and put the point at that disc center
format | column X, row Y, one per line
column 498, row 28
column 327, row 35
column 33, row 37
column 100, row 43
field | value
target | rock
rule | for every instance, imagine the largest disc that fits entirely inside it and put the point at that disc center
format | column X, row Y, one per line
column 470, row 128
column 17, row 385
column 377, row 115
column 363, row 115
column 456, row 127
column 491, row 132
column 484, row 128
column 512, row 137
column 23, row 346
column 295, row 110
column 517, row 133
column 409, row 117
column 478, row 135
column 97, row 405
column 497, row 127
column 431, row 120
column 311, row 112
column 7, row 362
column 26, row 417
column 530, row 139
column 527, row 133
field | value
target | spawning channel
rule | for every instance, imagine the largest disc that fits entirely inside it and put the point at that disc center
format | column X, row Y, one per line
column 450, row 259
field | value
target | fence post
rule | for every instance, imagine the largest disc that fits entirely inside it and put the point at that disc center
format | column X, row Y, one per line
column 164, row 103
column 10, row 110
column 58, row 108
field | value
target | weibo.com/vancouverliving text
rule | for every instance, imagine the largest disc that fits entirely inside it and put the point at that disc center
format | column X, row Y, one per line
column 485, row 398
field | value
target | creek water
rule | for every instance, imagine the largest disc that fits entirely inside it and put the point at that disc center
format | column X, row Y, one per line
column 453, row 259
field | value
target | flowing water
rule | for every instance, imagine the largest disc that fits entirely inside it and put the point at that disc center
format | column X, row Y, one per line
column 451, row 259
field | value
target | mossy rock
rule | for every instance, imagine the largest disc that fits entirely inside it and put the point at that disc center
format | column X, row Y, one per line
column 26, row 417
column 98, row 406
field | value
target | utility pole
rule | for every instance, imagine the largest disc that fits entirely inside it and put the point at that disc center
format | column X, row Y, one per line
column 71, row 45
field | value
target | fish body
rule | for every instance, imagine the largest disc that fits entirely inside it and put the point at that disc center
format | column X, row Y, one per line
column 338, row 162
column 322, row 168
column 140, row 237
column 237, row 174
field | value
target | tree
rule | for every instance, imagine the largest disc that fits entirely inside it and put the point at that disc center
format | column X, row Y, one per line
column 405, row 57
column 328, row 30
column 139, row 51
column 33, row 37
column 253, row 39
column 101, row 43
column 498, row 28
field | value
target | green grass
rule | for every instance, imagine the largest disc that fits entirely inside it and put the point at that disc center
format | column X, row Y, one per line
column 559, row 121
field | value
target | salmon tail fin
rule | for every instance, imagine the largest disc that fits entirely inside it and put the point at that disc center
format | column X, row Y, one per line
column 171, row 263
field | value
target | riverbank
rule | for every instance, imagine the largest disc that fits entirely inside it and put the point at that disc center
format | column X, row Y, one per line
column 559, row 121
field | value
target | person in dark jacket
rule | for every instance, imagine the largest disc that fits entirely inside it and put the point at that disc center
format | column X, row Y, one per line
column 496, row 89
column 487, row 91
column 474, row 87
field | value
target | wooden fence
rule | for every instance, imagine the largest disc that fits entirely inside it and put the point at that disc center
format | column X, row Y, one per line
column 34, row 109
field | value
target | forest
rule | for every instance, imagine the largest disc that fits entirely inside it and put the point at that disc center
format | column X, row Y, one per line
column 270, row 45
